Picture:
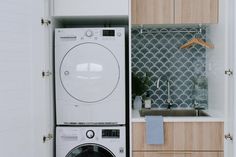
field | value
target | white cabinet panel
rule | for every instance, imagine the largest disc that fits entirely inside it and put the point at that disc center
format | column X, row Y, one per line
column 16, row 131
column 90, row 7
column 24, row 105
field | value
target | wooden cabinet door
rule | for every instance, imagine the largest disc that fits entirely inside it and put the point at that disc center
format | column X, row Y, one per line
column 178, row 154
column 139, row 138
column 152, row 11
column 196, row 11
column 181, row 136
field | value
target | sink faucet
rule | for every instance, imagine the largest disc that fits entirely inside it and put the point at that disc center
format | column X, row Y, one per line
column 195, row 104
column 197, row 108
column 168, row 100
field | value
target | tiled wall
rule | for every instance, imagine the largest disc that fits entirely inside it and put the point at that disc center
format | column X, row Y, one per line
column 159, row 53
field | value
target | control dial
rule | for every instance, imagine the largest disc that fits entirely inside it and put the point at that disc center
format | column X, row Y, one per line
column 90, row 134
column 89, row 33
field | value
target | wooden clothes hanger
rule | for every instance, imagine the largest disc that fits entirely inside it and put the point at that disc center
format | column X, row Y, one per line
column 198, row 41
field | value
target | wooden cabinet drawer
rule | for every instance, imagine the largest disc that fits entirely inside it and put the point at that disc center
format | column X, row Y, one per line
column 191, row 136
column 178, row 154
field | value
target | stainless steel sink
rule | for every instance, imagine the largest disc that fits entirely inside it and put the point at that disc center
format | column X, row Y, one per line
column 173, row 113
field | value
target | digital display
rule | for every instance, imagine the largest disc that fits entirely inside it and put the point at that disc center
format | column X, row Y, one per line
column 108, row 33
column 111, row 133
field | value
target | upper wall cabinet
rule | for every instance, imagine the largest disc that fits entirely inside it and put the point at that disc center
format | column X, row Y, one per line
column 196, row 11
column 152, row 11
column 90, row 8
column 174, row 11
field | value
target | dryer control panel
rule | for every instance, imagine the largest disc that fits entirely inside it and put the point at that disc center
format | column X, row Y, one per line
column 109, row 33
column 88, row 34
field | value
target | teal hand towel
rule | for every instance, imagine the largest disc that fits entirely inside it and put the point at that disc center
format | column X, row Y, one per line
column 154, row 130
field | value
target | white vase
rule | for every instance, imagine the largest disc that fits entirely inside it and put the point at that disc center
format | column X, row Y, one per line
column 138, row 103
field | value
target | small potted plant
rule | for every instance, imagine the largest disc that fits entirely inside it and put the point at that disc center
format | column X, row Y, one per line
column 139, row 86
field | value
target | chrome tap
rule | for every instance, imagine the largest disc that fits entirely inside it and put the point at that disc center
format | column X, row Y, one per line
column 195, row 104
column 197, row 108
column 169, row 101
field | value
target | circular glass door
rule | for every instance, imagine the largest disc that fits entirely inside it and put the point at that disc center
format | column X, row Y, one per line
column 90, row 150
column 89, row 72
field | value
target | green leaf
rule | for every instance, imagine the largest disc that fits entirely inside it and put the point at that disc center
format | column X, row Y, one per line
column 140, row 84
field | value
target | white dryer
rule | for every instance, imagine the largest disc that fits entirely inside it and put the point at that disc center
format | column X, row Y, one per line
column 90, row 142
column 90, row 76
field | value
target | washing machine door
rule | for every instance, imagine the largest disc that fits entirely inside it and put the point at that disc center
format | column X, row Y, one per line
column 90, row 150
column 89, row 72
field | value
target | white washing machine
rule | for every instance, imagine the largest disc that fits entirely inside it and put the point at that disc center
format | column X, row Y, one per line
column 90, row 142
column 90, row 76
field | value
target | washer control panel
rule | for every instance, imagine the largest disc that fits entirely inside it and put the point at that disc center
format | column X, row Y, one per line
column 90, row 134
column 110, row 133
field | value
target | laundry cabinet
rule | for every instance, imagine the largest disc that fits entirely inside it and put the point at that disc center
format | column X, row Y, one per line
column 179, row 154
column 26, row 59
column 90, row 7
column 152, row 11
column 181, row 139
column 174, row 11
column 196, row 11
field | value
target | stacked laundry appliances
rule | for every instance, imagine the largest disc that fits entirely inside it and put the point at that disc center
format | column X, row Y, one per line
column 90, row 92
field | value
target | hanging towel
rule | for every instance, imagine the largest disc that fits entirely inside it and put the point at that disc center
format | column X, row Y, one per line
column 154, row 130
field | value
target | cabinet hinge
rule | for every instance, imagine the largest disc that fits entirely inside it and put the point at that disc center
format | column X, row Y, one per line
column 47, row 137
column 229, row 137
column 46, row 73
column 45, row 21
column 228, row 72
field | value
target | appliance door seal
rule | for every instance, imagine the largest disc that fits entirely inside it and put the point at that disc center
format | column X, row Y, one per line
column 90, row 150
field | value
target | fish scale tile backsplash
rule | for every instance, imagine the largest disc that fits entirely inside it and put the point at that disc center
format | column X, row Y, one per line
column 157, row 51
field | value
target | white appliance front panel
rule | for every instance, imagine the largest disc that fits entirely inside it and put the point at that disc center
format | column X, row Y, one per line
column 68, row 138
column 90, row 76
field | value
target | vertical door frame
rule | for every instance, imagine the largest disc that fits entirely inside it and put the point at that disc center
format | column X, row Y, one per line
column 130, row 80
column 41, row 96
column 230, row 122
column 234, row 68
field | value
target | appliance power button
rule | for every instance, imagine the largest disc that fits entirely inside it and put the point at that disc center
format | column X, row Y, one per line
column 89, row 33
column 90, row 134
